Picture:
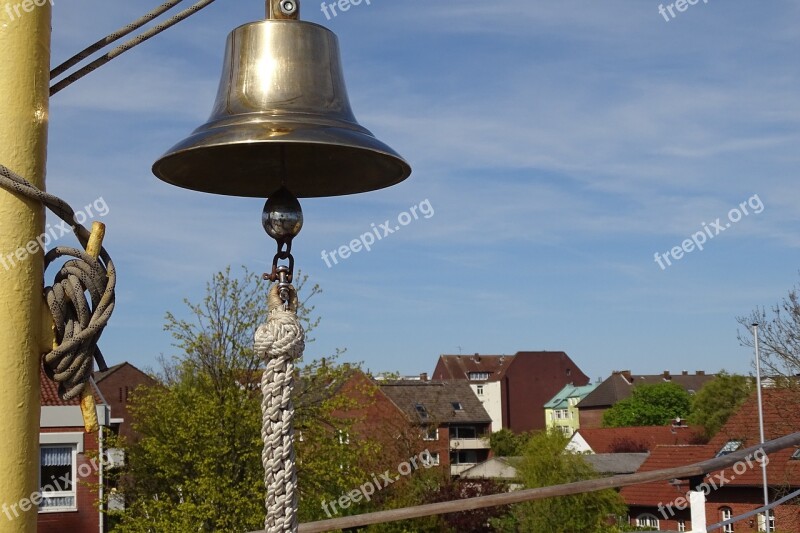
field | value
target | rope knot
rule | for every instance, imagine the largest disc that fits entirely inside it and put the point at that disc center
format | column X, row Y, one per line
column 282, row 335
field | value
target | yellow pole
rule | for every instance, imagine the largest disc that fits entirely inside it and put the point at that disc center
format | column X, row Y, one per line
column 24, row 87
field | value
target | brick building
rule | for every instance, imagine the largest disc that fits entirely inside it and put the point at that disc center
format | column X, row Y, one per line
column 410, row 416
column 70, row 470
column 117, row 385
column 742, row 491
column 513, row 389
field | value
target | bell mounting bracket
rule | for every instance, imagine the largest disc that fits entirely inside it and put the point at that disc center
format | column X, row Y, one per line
column 283, row 9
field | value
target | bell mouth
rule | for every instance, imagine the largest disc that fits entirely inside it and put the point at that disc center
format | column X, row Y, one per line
column 255, row 160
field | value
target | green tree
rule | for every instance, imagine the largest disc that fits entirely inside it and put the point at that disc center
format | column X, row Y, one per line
column 649, row 405
column 506, row 443
column 718, row 399
column 197, row 466
column 545, row 462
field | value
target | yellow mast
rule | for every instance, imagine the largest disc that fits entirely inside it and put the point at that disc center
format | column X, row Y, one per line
column 24, row 100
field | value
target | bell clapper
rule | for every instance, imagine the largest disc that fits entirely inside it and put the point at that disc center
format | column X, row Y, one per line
column 282, row 219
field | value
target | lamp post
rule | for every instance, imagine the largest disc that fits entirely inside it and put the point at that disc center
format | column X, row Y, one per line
column 761, row 426
column 24, row 80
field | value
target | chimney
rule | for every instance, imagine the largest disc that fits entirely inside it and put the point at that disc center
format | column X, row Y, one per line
column 701, row 372
column 423, row 376
column 626, row 374
column 685, row 373
column 476, row 357
column 666, row 375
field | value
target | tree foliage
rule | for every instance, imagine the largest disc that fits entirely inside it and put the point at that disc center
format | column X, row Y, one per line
column 197, row 466
column 506, row 443
column 649, row 405
column 718, row 399
column 545, row 462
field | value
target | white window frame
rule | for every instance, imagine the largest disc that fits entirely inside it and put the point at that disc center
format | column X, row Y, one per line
column 681, row 526
column 647, row 520
column 479, row 390
column 426, row 434
column 61, row 494
column 431, row 458
column 726, row 513
column 761, row 520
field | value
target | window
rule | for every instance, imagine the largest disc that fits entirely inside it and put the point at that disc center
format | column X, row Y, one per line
column 566, row 430
column 461, row 457
column 431, row 433
column 463, row 432
column 730, row 447
column 457, row 406
column 57, row 478
column 761, row 520
column 726, row 513
column 478, row 376
column 480, row 390
column 421, row 411
column 344, row 437
column 430, row 458
column 647, row 520
column 681, row 526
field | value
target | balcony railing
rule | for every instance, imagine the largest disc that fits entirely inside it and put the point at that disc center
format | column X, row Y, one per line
column 480, row 443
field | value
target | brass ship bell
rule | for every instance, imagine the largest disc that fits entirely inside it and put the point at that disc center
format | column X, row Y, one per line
column 282, row 119
column 282, row 128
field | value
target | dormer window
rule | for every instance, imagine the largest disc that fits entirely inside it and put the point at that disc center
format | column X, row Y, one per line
column 478, row 376
column 796, row 455
column 730, row 447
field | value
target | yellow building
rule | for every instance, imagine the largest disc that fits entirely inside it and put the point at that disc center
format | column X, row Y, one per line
column 561, row 412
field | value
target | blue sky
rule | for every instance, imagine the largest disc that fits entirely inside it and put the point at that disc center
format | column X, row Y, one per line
column 560, row 145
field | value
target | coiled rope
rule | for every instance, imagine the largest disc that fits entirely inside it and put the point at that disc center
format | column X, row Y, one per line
column 281, row 342
column 78, row 323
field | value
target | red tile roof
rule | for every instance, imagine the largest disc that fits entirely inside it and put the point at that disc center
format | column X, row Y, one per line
column 49, row 394
column 781, row 408
column 460, row 366
column 780, row 418
column 662, row 492
column 603, row 440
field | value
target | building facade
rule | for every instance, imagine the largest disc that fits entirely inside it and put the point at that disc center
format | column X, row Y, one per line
column 71, row 465
column 561, row 412
column 513, row 389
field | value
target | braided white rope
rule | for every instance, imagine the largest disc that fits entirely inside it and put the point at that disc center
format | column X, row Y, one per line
column 280, row 341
